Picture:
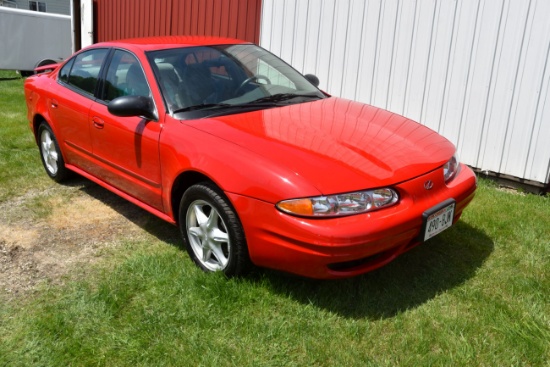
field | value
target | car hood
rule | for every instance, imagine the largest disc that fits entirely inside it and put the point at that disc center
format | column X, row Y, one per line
column 335, row 144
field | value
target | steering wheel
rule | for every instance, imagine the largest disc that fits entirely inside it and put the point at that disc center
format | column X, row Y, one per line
column 250, row 80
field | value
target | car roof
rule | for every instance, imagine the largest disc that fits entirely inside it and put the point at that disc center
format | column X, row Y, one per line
column 164, row 42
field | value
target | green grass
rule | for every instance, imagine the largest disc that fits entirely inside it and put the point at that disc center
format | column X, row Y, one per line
column 19, row 163
column 476, row 295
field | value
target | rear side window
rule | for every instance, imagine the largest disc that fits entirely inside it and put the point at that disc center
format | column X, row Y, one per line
column 64, row 73
column 85, row 70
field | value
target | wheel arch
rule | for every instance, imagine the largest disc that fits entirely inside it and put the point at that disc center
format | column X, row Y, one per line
column 182, row 182
column 36, row 121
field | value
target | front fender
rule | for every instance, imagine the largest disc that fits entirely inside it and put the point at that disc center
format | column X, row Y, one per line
column 233, row 168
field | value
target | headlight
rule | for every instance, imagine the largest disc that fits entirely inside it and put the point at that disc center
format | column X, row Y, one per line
column 339, row 205
column 450, row 169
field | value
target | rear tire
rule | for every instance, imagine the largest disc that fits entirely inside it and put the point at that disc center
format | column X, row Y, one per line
column 212, row 232
column 50, row 154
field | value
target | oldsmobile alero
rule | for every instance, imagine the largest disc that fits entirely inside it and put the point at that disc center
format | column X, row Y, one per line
column 253, row 162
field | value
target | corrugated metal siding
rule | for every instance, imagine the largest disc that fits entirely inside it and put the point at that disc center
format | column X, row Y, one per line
column 476, row 71
column 52, row 6
column 118, row 19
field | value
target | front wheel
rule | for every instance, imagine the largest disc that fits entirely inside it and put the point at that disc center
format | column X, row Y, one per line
column 212, row 231
column 51, row 156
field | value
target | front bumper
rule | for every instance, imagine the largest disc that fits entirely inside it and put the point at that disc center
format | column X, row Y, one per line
column 347, row 246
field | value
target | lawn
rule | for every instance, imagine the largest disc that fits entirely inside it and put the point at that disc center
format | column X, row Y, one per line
column 18, row 159
column 476, row 295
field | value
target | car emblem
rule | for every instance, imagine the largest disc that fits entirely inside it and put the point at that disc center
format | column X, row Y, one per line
column 428, row 185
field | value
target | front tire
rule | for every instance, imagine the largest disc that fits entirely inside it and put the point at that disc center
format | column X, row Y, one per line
column 212, row 231
column 50, row 154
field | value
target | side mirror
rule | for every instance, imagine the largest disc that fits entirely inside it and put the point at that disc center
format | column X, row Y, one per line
column 312, row 79
column 128, row 106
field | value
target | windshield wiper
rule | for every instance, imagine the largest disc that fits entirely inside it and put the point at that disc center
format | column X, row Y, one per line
column 264, row 102
column 204, row 106
column 279, row 97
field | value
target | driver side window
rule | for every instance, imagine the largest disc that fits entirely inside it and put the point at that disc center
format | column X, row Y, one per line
column 125, row 77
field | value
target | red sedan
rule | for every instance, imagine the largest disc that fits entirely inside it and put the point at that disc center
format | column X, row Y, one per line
column 249, row 158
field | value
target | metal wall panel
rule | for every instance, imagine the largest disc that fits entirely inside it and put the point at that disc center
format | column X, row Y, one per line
column 118, row 19
column 476, row 71
column 52, row 6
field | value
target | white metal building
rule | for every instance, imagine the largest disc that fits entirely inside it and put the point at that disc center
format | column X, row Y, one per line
column 476, row 71
column 45, row 6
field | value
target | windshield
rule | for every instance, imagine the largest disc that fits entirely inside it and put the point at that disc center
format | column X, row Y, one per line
column 226, row 77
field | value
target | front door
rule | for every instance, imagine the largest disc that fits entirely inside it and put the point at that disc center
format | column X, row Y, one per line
column 126, row 148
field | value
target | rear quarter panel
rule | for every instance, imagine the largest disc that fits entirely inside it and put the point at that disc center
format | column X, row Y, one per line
column 37, row 93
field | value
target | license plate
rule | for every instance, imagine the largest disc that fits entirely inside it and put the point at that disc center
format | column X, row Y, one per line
column 438, row 219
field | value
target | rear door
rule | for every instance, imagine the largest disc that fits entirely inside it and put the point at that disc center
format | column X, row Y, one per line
column 70, row 106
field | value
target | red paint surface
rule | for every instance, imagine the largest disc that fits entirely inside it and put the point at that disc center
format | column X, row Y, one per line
column 120, row 19
column 259, row 158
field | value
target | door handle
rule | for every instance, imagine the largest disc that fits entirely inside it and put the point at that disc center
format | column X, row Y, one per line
column 54, row 103
column 98, row 123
